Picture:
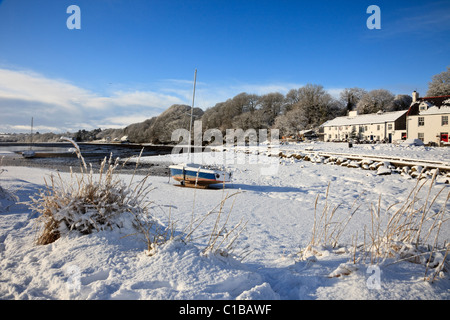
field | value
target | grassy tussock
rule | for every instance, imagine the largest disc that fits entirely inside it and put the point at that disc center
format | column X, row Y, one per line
column 86, row 202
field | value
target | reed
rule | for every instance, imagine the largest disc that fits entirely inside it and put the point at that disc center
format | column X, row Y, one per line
column 87, row 202
column 408, row 231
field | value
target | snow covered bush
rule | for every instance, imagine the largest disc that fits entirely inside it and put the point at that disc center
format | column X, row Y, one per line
column 87, row 202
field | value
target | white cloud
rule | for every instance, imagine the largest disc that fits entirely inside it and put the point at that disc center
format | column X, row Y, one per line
column 335, row 92
column 58, row 104
column 122, row 121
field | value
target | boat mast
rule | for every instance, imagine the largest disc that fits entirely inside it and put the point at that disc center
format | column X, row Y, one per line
column 31, row 133
column 192, row 115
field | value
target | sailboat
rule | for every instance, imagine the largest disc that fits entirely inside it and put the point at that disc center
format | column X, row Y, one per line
column 30, row 153
column 197, row 175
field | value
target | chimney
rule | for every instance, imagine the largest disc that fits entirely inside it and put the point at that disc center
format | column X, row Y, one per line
column 352, row 114
column 415, row 96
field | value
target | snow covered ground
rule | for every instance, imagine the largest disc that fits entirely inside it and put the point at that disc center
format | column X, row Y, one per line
column 278, row 207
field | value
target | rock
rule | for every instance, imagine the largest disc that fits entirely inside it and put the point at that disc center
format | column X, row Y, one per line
column 383, row 171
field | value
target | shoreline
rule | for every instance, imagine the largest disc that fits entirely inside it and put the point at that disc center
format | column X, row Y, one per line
column 156, row 168
column 93, row 154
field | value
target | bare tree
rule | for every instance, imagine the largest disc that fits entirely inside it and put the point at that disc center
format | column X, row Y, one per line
column 271, row 105
column 291, row 122
column 292, row 98
column 351, row 96
column 401, row 102
column 316, row 104
column 440, row 84
column 376, row 100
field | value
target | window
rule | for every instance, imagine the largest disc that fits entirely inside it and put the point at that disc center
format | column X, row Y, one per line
column 421, row 121
column 444, row 121
column 378, row 127
column 390, row 126
column 421, row 137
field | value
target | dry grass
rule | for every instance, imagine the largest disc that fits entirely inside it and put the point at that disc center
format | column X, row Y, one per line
column 222, row 239
column 87, row 202
column 327, row 231
column 408, row 231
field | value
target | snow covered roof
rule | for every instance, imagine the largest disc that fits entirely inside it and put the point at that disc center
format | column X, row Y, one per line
column 436, row 110
column 437, row 101
column 366, row 119
column 433, row 105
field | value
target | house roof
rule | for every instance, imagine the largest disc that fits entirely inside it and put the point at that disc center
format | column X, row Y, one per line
column 435, row 105
column 437, row 101
column 372, row 118
column 436, row 110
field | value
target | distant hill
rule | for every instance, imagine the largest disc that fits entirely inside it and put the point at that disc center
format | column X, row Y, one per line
column 159, row 129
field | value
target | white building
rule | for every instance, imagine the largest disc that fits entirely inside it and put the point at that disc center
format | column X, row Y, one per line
column 387, row 126
column 428, row 119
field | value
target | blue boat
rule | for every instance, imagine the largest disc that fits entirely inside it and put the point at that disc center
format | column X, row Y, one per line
column 194, row 175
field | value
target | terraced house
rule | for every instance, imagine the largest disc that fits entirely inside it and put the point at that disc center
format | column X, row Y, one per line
column 380, row 126
column 426, row 119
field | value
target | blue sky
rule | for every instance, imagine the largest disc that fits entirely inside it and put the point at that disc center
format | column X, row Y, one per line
column 132, row 59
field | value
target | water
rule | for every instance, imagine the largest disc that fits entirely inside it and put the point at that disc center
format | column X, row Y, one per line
column 93, row 154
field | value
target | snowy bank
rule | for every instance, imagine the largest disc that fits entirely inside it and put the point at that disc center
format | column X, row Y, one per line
column 280, row 210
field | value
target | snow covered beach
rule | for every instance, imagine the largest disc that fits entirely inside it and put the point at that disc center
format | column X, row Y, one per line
column 280, row 209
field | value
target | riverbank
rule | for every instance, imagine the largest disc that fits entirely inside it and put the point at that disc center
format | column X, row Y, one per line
column 285, row 250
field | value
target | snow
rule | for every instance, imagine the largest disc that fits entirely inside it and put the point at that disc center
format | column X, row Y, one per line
column 380, row 117
column 436, row 110
column 412, row 142
column 279, row 208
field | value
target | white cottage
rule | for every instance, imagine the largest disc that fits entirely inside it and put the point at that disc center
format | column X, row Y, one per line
column 380, row 126
column 428, row 119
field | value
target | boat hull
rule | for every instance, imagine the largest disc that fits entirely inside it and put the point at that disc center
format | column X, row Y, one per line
column 198, row 176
